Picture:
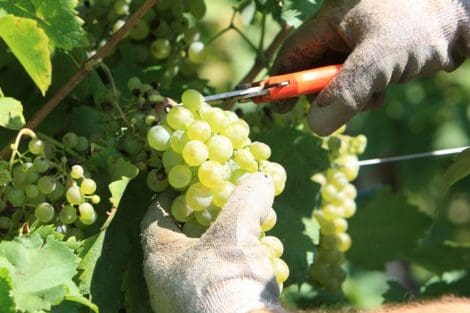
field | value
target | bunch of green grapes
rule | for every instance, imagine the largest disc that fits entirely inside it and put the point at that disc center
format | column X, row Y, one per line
column 337, row 205
column 40, row 185
column 165, row 36
column 205, row 151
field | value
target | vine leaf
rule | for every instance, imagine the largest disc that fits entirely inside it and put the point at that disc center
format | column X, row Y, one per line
column 387, row 225
column 457, row 171
column 295, row 12
column 41, row 272
column 58, row 19
column 30, row 45
column 442, row 257
column 11, row 113
column 302, row 156
column 6, row 285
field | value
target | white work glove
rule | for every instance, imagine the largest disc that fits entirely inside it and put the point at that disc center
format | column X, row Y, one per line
column 226, row 270
column 381, row 42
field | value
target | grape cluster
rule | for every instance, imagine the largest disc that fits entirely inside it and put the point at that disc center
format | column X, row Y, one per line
column 337, row 205
column 41, row 186
column 163, row 37
column 205, row 151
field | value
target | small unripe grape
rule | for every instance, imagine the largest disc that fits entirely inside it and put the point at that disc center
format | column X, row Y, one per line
column 36, row 146
column 180, row 210
column 82, row 144
column 68, row 215
column 160, row 49
column 196, row 53
column 95, row 199
column 158, row 138
column 40, row 164
column 58, row 192
column 70, row 140
column 16, row 197
column 179, row 176
column 195, row 153
column 44, row 212
column 170, row 159
column 192, row 99
column 269, row 221
column 76, row 172
column 32, row 191
column 73, row 195
column 140, row 31
column 46, row 184
column 156, row 182
column 88, row 186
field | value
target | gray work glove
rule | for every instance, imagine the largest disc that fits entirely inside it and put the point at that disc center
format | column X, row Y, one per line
column 226, row 270
column 383, row 42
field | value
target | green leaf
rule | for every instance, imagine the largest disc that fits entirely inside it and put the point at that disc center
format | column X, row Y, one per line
column 295, row 12
column 41, row 271
column 30, row 45
column 90, row 255
column 457, row 287
column 386, row 225
column 302, row 156
column 117, row 189
column 6, row 285
column 119, row 168
column 442, row 257
column 457, row 171
column 5, row 176
column 312, row 229
column 11, row 113
column 58, row 19
column 247, row 11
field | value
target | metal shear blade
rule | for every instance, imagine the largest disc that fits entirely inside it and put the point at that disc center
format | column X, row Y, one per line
column 237, row 95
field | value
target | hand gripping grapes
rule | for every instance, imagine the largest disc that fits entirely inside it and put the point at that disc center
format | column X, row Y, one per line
column 226, row 270
column 380, row 43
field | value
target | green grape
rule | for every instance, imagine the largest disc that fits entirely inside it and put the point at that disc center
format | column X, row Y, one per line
column 199, row 130
column 192, row 99
column 179, row 117
column 277, row 173
column 76, row 172
column 70, row 140
column 121, row 7
column 195, row 153
column 95, row 199
column 274, row 245
column 197, row 8
column 178, row 140
column 40, row 165
column 158, row 138
column 359, row 144
column 32, row 191
column 319, row 179
column 281, row 270
column 238, row 133
column 180, row 210
column 15, row 196
column 246, row 160
column 19, row 177
column 340, row 225
column 191, row 35
column 222, row 193
column 260, row 151
column 193, row 229
column 36, row 146
column 46, row 184
column 215, row 117
column 44, row 212
column 343, row 242
column 88, row 186
column 329, row 192
column 132, row 145
column 332, row 211
column 157, row 182
column 333, row 256
column 170, row 159
column 32, row 176
column 160, row 49
column 337, row 179
column 349, row 207
column 150, row 120
column 198, row 197
column 348, row 166
column 82, row 144
column 269, row 221
column 58, row 192
column 87, row 213
column 73, row 195
column 140, row 31
column 211, row 174
column 5, row 223
column 350, row 191
column 220, row 149
column 196, row 52
column 328, row 242
column 179, row 176
column 68, row 215
column 134, row 83
column 206, row 217
column 320, row 272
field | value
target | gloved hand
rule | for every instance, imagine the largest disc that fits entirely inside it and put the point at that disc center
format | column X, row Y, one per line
column 226, row 270
column 385, row 42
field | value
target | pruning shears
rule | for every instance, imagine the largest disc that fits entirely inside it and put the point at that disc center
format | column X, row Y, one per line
column 280, row 87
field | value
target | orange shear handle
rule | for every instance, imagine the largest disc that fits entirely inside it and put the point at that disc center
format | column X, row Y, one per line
column 300, row 83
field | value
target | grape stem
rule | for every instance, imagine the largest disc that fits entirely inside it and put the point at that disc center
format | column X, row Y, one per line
column 89, row 65
column 14, row 147
column 115, row 94
column 62, row 147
